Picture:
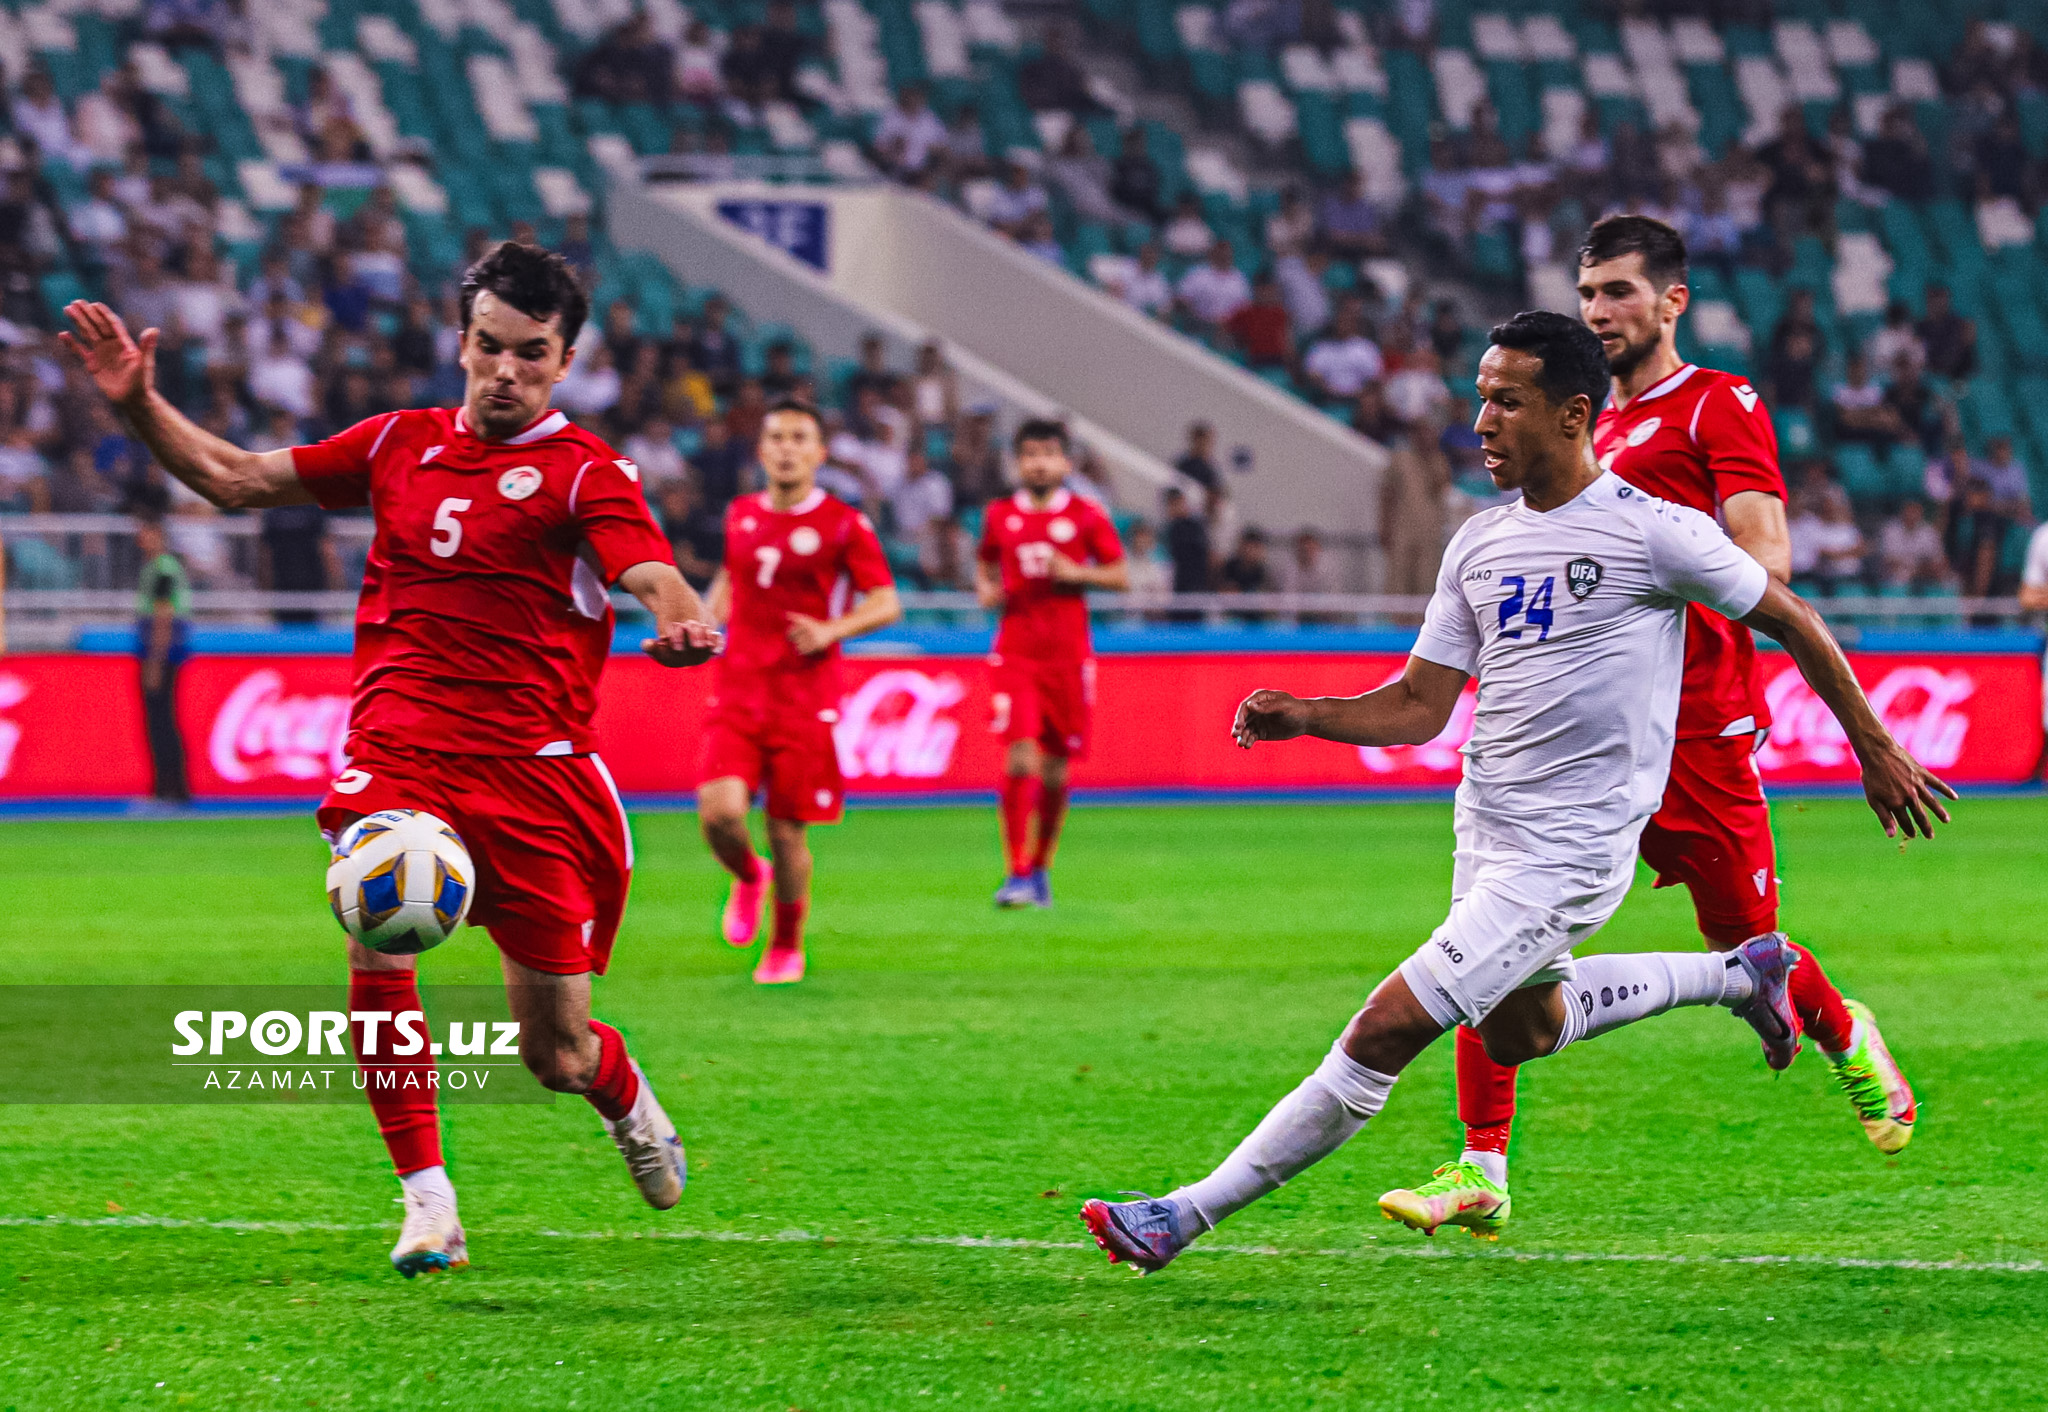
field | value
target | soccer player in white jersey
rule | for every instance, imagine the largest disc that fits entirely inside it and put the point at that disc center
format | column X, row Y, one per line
column 1569, row 606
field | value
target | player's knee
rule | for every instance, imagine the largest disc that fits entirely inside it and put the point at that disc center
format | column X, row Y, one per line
column 560, row 1068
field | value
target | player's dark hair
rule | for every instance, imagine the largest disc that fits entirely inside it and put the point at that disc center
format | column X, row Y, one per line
column 1041, row 429
column 538, row 283
column 1662, row 248
column 798, row 406
column 1574, row 362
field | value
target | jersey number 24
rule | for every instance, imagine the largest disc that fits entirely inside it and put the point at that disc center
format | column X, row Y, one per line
column 1533, row 609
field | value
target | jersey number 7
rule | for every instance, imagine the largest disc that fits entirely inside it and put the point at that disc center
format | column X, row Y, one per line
column 1534, row 611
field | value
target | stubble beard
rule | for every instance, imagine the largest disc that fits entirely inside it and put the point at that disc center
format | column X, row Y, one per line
column 1631, row 357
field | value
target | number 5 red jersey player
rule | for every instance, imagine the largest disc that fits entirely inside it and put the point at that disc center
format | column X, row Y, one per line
column 1695, row 437
column 793, row 558
column 484, row 622
column 1041, row 550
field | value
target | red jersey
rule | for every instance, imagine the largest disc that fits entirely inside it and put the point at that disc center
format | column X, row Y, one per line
column 1695, row 439
column 806, row 559
column 1042, row 620
column 484, row 618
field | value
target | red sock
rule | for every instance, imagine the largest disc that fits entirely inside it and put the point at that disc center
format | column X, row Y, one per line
column 400, row 1088
column 789, row 925
column 1819, row 1004
column 1486, row 1094
column 616, row 1086
column 1052, row 812
column 1020, row 802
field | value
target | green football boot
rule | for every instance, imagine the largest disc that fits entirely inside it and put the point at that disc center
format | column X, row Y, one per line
column 1875, row 1084
column 1457, row 1194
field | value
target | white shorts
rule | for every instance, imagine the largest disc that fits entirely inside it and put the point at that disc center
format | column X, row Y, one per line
column 1521, row 898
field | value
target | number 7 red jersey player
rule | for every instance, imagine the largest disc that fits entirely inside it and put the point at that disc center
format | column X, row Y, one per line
column 1041, row 550
column 484, row 622
column 794, row 557
column 1695, row 437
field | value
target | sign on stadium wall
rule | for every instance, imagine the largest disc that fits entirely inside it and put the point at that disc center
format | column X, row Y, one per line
column 71, row 726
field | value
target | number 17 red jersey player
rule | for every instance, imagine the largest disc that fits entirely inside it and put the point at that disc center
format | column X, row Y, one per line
column 1041, row 549
column 794, row 558
column 484, row 622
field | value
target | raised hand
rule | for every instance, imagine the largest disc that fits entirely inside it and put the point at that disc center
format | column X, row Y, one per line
column 1269, row 715
column 685, row 644
column 123, row 368
column 1902, row 792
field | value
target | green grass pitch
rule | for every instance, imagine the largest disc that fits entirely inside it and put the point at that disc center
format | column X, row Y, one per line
column 887, row 1160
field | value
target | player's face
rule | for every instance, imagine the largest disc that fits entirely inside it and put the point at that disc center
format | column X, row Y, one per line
column 1042, row 465
column 1521, row 431
column 1631, row 315
column 512, row 361
column 791, row 449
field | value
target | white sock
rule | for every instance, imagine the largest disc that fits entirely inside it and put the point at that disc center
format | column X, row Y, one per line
column 1632, row 986
column 1494, row 1164
column 1304, row 1127
column 429, row 1181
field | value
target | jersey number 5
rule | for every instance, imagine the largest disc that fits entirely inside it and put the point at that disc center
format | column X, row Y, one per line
column 447, row 529
column 1535, row 610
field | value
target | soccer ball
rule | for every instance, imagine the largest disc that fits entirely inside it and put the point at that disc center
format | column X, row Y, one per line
column 401, row 881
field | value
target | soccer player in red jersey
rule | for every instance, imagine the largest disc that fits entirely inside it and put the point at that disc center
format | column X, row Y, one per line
column 484, row 622
column 793, row 558
column 1040, row 551
column 1701, row 438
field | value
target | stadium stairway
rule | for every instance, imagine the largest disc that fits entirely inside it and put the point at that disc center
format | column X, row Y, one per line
column 1020, row 330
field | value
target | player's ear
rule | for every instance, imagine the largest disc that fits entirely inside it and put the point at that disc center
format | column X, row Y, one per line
column 1677, row 299
column 568, row 357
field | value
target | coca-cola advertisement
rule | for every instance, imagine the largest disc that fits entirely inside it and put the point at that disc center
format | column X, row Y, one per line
column 277, row 727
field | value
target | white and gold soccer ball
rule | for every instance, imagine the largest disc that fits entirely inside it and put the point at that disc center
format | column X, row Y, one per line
column 401, row 881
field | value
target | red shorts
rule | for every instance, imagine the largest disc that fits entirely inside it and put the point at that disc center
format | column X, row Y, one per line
column 1713, row 834
column 553, row 852
column 786, row 751
column 1052, row 703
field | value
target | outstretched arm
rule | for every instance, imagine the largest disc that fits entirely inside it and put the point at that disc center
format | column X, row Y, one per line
column 1901, row 792
column 124, row 370
column 684, row 635
column 1410, row 711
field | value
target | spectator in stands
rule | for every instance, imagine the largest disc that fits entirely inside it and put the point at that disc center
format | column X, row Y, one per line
column 1259, row 330
column 653, row 449
column 592, row 385
column 280, row 376
column 98, row 222
column 1291, row 229
column 910, row 137
column 1949, row 338
column 697, row 77
column 1301, row 285
column 2003, row 167
column 1247, row 570
column 1974, row 535
column 934, row 387
column 1371, row 417
column 1135, row 181
column 712, row 349
column 873, row 373
column 1838, row 544
column 295, row 555
column 966, row 150
column 39, row 113
column 1348, row 224
column 1187, row 544
column 977, row 458
column 1802, row 191
column 1145, row 286
column 162, row 642
column 784, row 47
column 779, row 377
column 1860, row 411
column 1897, row 339
column 1344, row 360
column 1910, row 551
column 748, row 410
column 1198, row 461
column 695, row 530
column 1793, row 366
column 1051, row 80
column 1416, row 393
column 2011, row 494
column 1412, row 489
column 629, row 64
column 1921, row 416
column 1151, row 578
column 1188, row 234
column 1012, row 205
column 1209, row 293
column 1038, row 238
column 1084, row 177
column 922, row 509
column 721, row 465
column 1307, row 569
column 1896, row 161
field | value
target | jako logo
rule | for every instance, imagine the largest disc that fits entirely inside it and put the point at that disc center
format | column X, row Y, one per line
column 260, row 731
column 1917, row 704
column 893, row 726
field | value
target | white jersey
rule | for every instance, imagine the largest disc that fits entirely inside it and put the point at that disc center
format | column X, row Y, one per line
column 1574, row 623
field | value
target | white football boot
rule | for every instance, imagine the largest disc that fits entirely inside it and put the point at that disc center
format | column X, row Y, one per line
column 653, row 1153
column 432, row 1237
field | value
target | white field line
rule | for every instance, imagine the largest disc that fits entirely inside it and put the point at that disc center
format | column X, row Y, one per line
column 1430, row 1251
